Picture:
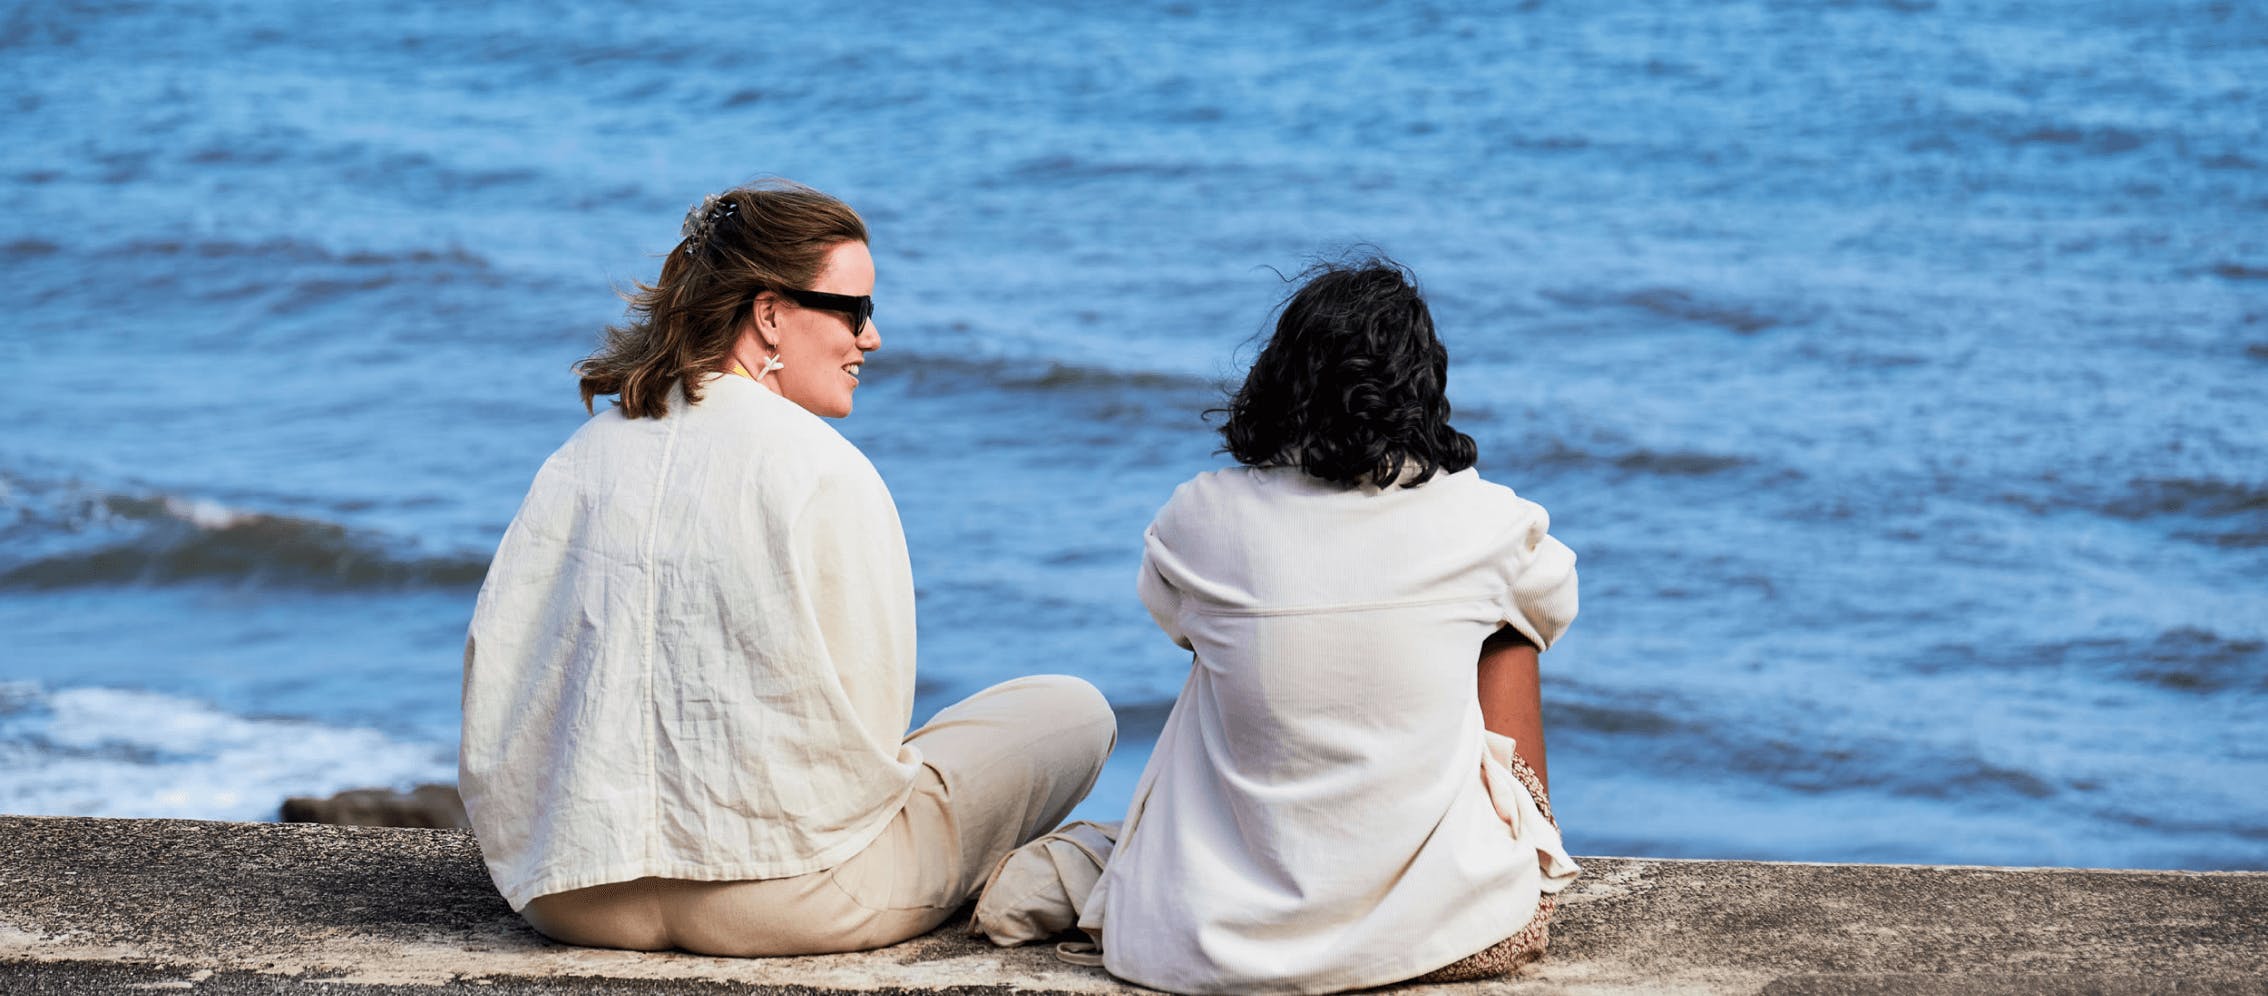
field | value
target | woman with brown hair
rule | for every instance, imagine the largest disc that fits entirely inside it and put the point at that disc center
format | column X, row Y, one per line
column 691, row 667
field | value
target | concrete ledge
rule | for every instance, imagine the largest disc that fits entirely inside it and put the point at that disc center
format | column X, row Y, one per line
column 101, row 906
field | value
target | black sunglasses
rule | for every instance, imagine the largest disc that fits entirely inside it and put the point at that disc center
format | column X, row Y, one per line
column 859, row 308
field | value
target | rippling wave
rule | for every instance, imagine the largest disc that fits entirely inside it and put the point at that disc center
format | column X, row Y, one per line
column 58, row 538
column 1034, row 375
column 1693, row 306
column 2185, row 659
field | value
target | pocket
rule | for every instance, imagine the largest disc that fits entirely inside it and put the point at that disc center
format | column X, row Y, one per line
column 882, row 882
column 915, row 864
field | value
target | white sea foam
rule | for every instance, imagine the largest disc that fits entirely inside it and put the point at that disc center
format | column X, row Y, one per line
column 133, row 753
column 203, row 513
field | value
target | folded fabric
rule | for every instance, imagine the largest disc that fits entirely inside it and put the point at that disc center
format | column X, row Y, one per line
column 1038, row 890
column 1524, row 815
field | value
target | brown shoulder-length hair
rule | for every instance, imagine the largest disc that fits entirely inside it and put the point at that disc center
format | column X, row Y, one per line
column 763, row 236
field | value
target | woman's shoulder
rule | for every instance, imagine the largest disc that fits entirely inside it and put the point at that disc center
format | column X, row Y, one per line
column 1223, row 488
column 739, row 440
column 736, row 404
column 1511, row 529
column 747, row 416
column 1471, row 487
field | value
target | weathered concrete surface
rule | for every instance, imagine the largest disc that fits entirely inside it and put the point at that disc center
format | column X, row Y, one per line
column 102, row 906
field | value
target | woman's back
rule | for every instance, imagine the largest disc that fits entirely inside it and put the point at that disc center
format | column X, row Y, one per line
column 1332, row 804
column 691, row 667
column 657, row 628
column 1315, row 814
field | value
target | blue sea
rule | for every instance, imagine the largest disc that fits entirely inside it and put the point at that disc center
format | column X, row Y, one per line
column 1898, row 369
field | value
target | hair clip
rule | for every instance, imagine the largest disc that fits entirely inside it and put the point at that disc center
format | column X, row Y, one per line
column 701, row 222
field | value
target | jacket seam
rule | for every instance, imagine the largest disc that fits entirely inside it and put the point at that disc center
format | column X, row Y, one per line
column 651, row 635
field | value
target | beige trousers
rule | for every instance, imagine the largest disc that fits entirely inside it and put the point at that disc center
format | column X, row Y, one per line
column 1001, row 767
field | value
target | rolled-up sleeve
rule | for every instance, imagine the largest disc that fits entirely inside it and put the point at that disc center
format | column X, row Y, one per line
column 1158, row 594
column 1540, row 596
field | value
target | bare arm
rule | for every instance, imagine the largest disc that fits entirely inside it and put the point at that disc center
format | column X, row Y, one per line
column 1511, row 696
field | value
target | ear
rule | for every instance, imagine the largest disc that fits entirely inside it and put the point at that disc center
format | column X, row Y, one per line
column 764, row 311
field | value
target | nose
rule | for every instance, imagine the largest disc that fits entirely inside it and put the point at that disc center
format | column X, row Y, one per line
column 870, row 337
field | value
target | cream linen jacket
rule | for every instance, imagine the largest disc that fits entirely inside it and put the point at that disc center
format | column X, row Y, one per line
column 693, row 656
column 1322, row 812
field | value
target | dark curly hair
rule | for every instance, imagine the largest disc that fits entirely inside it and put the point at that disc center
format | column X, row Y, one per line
column 1350, row 389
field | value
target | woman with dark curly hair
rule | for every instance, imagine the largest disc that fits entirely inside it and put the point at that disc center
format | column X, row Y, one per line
column 1350, row 790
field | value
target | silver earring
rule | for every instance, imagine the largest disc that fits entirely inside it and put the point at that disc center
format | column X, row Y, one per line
column 771, row 363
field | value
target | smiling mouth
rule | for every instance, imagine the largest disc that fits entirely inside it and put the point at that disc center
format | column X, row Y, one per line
column 852, row 369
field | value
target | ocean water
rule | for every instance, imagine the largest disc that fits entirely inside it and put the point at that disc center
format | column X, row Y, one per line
column 1899, row 369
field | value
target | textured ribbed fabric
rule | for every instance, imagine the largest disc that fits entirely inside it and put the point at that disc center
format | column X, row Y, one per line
column 1321, row 812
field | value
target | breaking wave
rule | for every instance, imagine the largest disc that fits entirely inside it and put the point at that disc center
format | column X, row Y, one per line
column 62, row 538
column 132, row 753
